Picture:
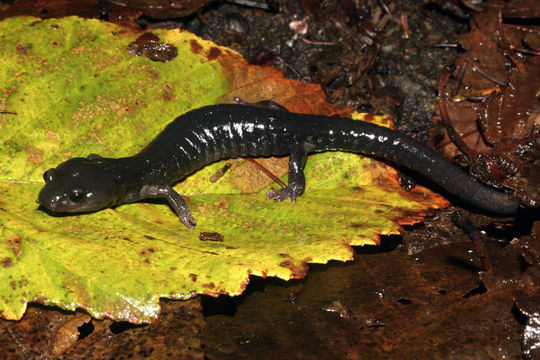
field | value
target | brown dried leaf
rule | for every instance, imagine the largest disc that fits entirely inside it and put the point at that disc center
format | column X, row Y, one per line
column 90, row 9
column 492, row 106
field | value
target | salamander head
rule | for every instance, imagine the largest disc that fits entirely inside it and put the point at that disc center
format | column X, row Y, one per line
column 80, row 184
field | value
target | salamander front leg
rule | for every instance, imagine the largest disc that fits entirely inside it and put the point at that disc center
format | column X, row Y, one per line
column 297, row 181
column 176, row 200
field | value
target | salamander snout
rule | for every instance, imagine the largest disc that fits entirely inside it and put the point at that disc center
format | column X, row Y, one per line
column 78, row 185
column 59, row 200
column 51, row 201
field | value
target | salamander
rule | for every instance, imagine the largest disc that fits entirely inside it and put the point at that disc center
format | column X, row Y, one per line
column 215, row 132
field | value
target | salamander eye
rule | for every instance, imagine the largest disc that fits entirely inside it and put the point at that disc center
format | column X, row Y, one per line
column 77, row 195
column 48, row 175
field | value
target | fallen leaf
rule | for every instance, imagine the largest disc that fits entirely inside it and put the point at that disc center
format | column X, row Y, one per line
column 490, row 104
column 81, row 84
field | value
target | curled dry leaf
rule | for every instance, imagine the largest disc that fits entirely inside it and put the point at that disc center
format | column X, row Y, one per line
column 67, row 333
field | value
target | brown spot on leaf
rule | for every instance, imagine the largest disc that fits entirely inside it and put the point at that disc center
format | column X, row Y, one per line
column 23, row 282
column 149, row 237
column 193, row 277
column 51, row 134
column 222, row 203
column 23, row 49
column 368, row 118
column 13, row 284
column 147, row 251
column 14, row 243
column 214, row 53
column 6, row 262
column 209, row 286
column 168, row 92
column 196, row 48
column 298, row 272
column 34, row 155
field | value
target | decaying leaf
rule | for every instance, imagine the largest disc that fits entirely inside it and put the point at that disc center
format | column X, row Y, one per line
column 490, row 103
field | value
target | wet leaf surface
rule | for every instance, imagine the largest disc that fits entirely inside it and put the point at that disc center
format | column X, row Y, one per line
column 490, row 103
column 164, row 8
column 431, row 305
column 47, row 9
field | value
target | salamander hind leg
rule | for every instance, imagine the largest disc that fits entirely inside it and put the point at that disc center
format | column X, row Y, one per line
column 176, row 200
column 297, row 181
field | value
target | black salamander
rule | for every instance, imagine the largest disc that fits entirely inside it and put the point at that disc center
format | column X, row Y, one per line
column 216, row 132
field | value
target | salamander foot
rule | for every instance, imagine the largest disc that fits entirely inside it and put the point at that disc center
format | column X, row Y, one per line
column 177, row 202
column 282, row 194
column 187, row 219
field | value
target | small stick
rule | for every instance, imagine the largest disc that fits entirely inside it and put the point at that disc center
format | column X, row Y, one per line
column 266, row 171
column 220, row 172
column 316, row 42
column 476, row 237
column 468, row 153
column 404, row 24
column 487, row 76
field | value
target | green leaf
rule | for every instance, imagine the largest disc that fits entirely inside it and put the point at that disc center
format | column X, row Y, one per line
column 77, row 90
